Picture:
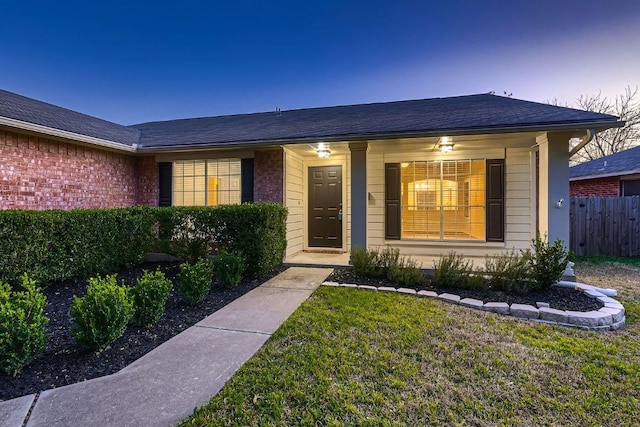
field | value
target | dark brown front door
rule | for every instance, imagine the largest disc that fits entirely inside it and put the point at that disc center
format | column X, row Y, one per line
column 325, row 206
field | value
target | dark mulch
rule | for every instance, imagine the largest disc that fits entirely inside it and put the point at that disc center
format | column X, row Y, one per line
column 558, row 298
column 64, row 363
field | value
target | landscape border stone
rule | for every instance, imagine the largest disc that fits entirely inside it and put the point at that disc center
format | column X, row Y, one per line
column 610, row 317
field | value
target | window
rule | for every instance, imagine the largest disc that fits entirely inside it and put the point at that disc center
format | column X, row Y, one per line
column 206, row 182
column 443, row 200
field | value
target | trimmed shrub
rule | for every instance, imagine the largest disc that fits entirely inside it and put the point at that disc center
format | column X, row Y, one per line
column 55, row 245
column 509, row 272
column 194, row 281
column 546, row 261
column 228, row 269
column 102, row 314
column 256, row 230
column 150, row 295
column 22, row 325
column 365, row 262
column 406, row 272
column 452, row 270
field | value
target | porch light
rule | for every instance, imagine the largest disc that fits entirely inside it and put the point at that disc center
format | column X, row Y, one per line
column 323, row 150
column 445, row 145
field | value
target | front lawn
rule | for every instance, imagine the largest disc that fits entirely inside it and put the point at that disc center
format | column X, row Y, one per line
column 355, row 357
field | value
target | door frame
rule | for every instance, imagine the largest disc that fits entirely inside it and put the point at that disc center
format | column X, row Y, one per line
column 337, row 160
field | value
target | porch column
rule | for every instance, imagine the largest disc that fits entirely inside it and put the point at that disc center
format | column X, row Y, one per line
column 358, row 193
column 553, row 211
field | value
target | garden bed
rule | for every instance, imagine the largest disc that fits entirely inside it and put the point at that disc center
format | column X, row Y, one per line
column 557, row 297
column 65, row 363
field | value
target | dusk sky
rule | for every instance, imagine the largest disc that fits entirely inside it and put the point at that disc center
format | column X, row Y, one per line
column 129, row 62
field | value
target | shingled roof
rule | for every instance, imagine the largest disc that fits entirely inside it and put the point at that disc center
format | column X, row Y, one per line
column 485, row 113
column 18, row 107
column 622, row 163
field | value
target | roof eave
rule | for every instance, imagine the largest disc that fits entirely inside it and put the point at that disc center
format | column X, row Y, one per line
column 66, row 135
column 575, row 126
column 606, row 175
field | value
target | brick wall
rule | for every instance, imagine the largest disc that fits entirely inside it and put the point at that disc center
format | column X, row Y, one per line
column 147, row 180
column 597, row 187
column 38, row 173
column 268, row 176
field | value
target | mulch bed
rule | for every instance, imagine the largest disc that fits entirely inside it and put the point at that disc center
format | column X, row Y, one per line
column 65, row 363
column 558, row 298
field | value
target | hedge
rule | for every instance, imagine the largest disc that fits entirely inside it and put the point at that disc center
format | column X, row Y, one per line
column 57, row 245
column 257, row 231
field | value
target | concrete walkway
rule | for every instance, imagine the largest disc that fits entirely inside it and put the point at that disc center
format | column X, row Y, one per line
column 164, row 386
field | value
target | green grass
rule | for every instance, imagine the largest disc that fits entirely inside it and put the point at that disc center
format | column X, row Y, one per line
column 354, row 357
column 605, row 259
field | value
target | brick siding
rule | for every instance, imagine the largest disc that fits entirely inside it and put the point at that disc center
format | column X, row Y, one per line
column 268, row 176
column 597, row 187
column 147, row 181
column 39, row 173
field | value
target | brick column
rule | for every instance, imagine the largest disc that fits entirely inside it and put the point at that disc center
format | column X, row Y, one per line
column 268, row 178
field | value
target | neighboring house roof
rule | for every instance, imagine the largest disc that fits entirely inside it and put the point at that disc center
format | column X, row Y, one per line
column 458, row 115
column 622, row 163
column 27, row 110
column 437, row 116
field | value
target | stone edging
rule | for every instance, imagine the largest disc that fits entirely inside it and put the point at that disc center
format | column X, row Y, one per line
column 609, row 317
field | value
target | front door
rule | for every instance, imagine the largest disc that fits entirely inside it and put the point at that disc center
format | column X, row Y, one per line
column 325, row 207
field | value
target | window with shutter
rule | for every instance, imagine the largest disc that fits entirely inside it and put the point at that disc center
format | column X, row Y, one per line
column 445, row 200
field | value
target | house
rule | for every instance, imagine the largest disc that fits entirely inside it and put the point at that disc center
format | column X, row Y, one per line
column 614, row 175
column 478, row 174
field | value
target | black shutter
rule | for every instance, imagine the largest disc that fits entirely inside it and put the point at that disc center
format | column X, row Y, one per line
column 392, row 184
column 164, row 183
column 246, row 180
column 495, row 200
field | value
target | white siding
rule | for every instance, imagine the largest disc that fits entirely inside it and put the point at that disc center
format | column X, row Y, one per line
column 518, row 209
column 294, row 201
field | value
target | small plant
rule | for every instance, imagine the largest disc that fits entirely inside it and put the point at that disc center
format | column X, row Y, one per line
column 509, row 272
column 388, row 259
column 22, row 325
column 102, row 314
column 547, row 262
column 150, row 295
column 228, row 268
column 194, row 280
column 365, row 262
column 406, row 272
column 452, row 270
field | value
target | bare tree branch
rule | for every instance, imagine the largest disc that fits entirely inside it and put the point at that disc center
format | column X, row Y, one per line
column 610, row 141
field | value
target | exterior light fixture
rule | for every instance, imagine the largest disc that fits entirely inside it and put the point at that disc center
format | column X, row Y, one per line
column 445, row 145
column 323, row 150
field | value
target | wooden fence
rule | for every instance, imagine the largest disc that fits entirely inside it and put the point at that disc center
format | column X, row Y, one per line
column 605, row 226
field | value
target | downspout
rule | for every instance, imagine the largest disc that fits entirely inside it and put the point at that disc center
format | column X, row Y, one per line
column 585, row 140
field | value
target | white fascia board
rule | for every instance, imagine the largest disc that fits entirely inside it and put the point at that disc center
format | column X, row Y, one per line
column 32, row 127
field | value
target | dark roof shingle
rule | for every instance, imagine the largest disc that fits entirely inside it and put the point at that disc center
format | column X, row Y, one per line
column 627, row 161
column 29, row 110
column 461, row 114
column 425, row 116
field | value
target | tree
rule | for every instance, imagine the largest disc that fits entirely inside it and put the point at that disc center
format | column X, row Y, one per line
column 610, row 141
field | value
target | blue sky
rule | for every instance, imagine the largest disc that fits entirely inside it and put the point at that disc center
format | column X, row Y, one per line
column 132, row 62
